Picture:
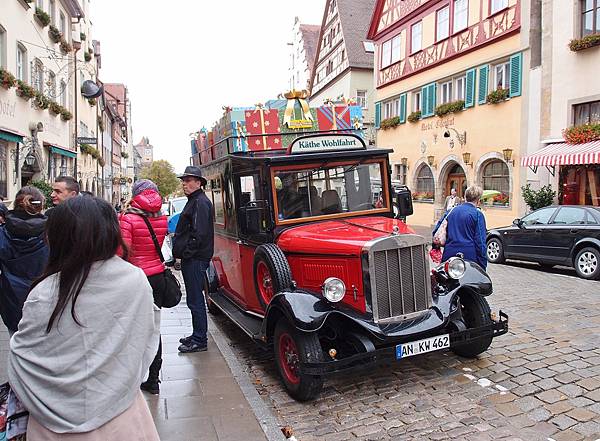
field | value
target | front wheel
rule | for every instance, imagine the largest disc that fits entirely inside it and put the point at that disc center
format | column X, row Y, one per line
column 587, row 263
column 495, row 251
column 272, row 272
column 476, row 312
column 293, row 347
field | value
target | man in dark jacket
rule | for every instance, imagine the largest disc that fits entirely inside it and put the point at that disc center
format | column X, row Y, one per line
column 194, row 244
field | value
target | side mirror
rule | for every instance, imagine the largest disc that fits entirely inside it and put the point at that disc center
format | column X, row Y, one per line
column 404, row 202
column 518, row 223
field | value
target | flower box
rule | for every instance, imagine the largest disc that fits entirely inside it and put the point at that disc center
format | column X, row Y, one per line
column 497, row 96
column 579, row 44
column 453, row 107
column 87, row 56
column 390, row 123
column 54, row 108
column 42, row 17
column 414, row 116
column 7, row 80
column 24, row 90
column 54, row 34
column 65, row 115
column 92, row 101
column 41, row 101
column 65, row 47
column 582, row 133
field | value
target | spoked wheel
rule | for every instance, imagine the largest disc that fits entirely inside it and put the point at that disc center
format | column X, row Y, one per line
column 495, row 251
column 476, row 312
column 292, row 348
column 587, row 263
column 272, row 272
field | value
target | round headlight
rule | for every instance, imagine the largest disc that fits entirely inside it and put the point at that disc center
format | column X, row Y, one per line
column 455, row 267
column 334, row 289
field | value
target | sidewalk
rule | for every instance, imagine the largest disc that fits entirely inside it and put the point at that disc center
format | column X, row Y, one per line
column 204, row 396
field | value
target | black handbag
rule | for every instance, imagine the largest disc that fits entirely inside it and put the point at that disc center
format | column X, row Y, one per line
column 171, row 293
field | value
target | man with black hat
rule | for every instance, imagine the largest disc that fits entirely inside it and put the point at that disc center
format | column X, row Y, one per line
column 193, row 243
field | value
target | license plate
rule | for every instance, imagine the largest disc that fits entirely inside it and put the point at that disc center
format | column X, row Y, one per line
column 422, row 346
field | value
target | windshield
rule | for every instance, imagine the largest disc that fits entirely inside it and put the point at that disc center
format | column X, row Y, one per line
column 329, row 190
column 178, row 204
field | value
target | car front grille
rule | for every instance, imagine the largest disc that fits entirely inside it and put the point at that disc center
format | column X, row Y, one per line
column 400, row 281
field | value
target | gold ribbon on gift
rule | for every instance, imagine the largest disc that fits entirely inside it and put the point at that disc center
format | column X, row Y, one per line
column 356, row 123
column 293, row 96
column 241, row 134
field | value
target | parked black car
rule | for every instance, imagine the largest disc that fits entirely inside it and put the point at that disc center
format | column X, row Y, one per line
column 556, row 235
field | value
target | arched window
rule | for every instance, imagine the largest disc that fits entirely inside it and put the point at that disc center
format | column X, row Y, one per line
column 2, row 47
column 496, row 183
column 425, row 190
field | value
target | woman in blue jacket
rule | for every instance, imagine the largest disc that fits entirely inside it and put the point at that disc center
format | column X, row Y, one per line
column 466, row 231
column 23, row 253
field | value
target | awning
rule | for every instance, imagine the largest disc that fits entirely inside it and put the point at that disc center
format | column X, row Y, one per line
column 564, row 154
column 10, row 137
column 63, row 152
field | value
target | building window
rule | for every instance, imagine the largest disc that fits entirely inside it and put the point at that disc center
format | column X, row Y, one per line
column 361, row 98
column 498, row 5
column 52, row 85
column 496, row 179
column 587, row 113
column 386, row 54
column 461, row 15
column 391, row 108
column 63, row 26
column 416, row 101
column 2, row 47
column 443, row 23
column 395, row 49
column 39, row 4
column 590, row 23
column 21, row 62
column 446, row 92
column 52, row 11
column 329, row 68
column 416, row 34
column 343, row 55
column 63, row 94
column 400, row 173
column 502, row 72
column 425, row 186
column 460, row 88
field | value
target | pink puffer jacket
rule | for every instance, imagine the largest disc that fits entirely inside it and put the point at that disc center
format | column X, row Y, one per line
column 142, row 252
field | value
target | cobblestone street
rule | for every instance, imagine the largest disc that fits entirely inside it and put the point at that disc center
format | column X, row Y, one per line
column 539, row 382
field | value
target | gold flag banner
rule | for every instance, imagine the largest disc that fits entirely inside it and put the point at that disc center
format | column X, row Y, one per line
column 307, row 118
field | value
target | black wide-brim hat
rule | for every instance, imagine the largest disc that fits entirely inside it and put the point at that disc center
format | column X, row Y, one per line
column 193, row 172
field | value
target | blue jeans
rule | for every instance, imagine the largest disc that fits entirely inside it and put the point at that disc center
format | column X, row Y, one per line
column 193, row 271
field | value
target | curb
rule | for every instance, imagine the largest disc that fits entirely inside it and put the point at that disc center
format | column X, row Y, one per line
column 264, row 415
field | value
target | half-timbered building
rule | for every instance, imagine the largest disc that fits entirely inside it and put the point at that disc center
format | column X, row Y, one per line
column 449, row 84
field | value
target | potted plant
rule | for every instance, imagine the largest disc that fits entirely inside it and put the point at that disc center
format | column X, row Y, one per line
column 124, row 155
column 41, row 101
column 87, row 56
column 579, row 44
column 100, row 124
column 389, row 123
column 92, row 101
column 582, row 133
column 497, row 96
column 42, row 17
column 54, row 108
column 65, row 47
column 82, row 36
column 453, row 107
column 24, row 90
column 7, row 80
column 54, row 34
column 65, row 115
column 414, row 116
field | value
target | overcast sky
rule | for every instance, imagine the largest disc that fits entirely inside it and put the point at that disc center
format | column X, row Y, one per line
column 183, row 62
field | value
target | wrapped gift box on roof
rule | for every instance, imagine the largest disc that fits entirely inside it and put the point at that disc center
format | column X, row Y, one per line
column 261, row 122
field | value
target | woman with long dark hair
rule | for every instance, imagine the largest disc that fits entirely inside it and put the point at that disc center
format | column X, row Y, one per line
column 88, row 334
column 145, row 206
column 23, row 253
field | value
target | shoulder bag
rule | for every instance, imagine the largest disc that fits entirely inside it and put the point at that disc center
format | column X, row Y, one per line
column 171, row 295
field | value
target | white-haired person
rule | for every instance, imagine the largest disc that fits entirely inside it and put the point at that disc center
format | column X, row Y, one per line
column 466, row 229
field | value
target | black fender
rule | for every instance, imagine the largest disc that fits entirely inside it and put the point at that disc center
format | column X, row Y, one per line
column 475, row 280
column 494, row 234
column 213, row 279
column 582, row 243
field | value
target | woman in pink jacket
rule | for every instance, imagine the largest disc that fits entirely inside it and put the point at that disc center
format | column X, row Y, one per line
column 146, row 203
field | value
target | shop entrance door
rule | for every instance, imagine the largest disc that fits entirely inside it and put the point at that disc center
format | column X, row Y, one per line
column 458, row 180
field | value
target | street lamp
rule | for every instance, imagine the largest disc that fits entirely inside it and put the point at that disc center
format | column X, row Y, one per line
column 507, row 154
column 30, row 159
column 467, row 158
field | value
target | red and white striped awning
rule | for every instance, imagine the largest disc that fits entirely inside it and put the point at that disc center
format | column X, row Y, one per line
column 564, row 154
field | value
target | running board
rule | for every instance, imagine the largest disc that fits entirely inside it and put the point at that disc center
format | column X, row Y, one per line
column 248, row 323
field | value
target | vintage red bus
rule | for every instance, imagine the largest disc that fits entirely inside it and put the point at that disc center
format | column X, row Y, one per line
column 311, row 260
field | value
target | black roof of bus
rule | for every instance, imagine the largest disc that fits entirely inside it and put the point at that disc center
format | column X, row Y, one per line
column 283, row 157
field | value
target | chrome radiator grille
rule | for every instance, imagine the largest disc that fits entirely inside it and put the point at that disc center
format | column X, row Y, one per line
column 400, row 280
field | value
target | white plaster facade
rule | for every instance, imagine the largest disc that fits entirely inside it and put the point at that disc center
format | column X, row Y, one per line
column 300, row 62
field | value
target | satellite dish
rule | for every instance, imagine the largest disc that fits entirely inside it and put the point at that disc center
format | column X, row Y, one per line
column 89, row 89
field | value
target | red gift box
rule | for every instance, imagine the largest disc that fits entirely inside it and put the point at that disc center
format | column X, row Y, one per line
column 331, row 117
column 260, row 121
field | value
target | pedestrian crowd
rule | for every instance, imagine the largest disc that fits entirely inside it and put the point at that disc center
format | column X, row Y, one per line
column 81, row 287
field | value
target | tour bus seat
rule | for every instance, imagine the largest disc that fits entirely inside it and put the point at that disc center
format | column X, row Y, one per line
column 331, row 202
column 315, row 200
